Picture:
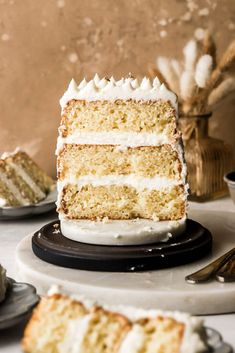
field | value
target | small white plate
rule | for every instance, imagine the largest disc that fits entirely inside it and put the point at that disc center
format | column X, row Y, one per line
column 17, row 212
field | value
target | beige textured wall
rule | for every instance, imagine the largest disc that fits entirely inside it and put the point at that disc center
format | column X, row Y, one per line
column 44, row 43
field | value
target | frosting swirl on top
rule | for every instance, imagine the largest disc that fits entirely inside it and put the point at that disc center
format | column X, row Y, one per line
column 110, row 89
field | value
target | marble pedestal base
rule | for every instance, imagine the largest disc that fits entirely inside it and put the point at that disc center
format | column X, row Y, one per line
column 163, row 289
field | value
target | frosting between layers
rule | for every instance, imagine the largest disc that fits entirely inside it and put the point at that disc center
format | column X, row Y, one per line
column 125, row 139
column 133, row 341
column 76, row 332
column 156, row 182
column 110, row 89
column 192, row 341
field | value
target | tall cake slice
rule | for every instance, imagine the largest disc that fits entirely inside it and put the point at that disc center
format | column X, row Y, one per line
column 120, row 159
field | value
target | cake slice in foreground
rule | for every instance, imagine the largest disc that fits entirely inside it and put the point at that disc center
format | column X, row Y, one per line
column 22, row 181
column 63, row 324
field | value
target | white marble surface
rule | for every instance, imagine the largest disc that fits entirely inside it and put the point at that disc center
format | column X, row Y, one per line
column 12, row 232
column 163, row 289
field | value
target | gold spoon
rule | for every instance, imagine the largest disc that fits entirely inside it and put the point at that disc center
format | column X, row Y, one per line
column 207, row 273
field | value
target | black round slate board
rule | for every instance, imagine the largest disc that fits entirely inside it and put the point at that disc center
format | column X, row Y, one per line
column 51, row 246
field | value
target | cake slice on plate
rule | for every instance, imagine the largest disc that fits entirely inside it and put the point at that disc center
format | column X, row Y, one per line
column 22, row 181
column 120, row 159
column 63, row 324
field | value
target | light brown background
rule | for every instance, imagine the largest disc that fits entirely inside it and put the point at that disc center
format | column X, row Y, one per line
column 44, row 43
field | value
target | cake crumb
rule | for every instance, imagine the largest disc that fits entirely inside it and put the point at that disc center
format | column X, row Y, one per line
column 56, row 231
column 105, row 220
column 155, row 218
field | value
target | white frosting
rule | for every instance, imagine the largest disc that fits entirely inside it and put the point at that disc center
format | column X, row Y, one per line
column 157, row 182
column 129, row 88
column 121, row 232
column 3, row 283
column 127, row 139
column 133, row 341
column 75, row 334
column 10, row 154
column 192, row 341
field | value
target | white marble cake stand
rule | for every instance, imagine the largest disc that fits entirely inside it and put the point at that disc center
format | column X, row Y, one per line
column 164, row 289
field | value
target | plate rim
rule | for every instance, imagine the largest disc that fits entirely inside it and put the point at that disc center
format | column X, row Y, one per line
column 43, row 206
column 12, row 319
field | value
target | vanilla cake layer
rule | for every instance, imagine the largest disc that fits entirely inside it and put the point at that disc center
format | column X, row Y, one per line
column 121, row 202
column 158, row 117
column 61, row 324
column 80, row 160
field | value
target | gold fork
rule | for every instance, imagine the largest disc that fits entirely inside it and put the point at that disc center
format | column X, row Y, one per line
column 223, row 268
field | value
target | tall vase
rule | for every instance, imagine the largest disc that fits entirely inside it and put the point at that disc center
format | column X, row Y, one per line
column 207, row 158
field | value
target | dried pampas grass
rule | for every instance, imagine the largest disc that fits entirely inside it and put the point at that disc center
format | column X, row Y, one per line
column 187, row 85
column 203, row 70
column 199, row 81
column 176, row 67
column 190, row 55
column 224, row 89
column 226, row 62
column 209, row 47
